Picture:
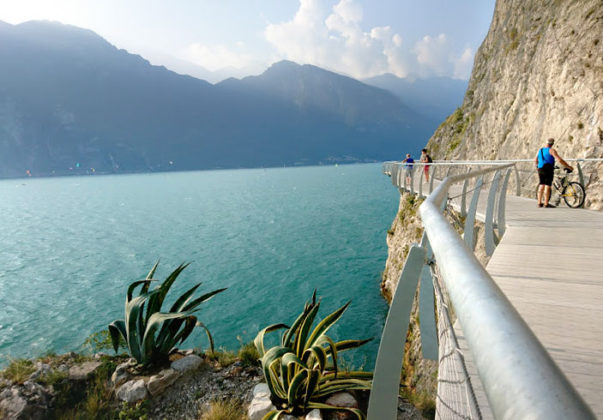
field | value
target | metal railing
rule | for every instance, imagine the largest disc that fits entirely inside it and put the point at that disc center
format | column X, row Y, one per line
column 525, row 176
column 519, row 377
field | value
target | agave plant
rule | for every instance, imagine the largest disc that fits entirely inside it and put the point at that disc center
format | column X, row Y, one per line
column 302, row 371
column 150, row 334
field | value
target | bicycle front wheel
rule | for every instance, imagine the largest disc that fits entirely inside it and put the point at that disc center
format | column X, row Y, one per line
column 574, row 195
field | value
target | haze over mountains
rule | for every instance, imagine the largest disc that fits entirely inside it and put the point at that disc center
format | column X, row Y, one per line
column 70, row 102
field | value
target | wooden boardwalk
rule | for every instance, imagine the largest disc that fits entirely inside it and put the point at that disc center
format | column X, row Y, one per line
column 549, row 264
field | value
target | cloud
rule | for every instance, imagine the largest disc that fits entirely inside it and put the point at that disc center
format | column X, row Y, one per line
column 216, row 57
column 464, row 64
column 335, row 39
column 435, row 57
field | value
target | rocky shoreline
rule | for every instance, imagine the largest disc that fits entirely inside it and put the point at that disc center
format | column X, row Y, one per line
column 72, row 386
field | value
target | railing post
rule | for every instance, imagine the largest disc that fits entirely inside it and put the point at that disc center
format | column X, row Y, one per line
column 518, row 186
column 469, row 236
column 383, row 401
column 463, row 195
column 502, row 198
column 412, row 180
column 429, row 338
column 399, row 176
column 421, row 183
column 435, row 168
column 489, row 222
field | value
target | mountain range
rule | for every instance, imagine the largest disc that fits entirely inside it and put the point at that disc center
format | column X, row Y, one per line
column 70, row 102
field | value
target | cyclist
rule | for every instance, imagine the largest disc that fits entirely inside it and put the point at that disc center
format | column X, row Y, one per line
column 545, row 162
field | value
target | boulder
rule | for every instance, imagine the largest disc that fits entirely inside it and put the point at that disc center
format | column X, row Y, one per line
column 187, row 363
column 132, row 391
column 12, row 403
column 121, row 374
column 158, row 383
column 260, row 404
column 261, row 389
column 341, row 399
column 30, row 401
column 83, row 371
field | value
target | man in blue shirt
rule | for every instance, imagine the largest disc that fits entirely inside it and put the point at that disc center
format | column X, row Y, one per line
column 408, row 166
column 545, row 162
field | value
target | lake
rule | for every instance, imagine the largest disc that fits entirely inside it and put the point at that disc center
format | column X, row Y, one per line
column 70, row 247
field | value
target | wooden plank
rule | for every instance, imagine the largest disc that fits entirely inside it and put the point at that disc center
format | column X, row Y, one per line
column 550, row 265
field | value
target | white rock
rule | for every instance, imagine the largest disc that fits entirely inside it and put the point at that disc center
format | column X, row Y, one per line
column 12, row 404
column 158, row 383
column 187, row 363
column 261, row 389
column 132, row 391
column 83, row 371
column 260, row 404
column 314, row 415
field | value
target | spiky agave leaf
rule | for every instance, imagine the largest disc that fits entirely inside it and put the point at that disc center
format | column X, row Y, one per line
column 209, row 337
column 289, row 363
column 259, row 339
column 117, row 328
column 290, row 335
column 325, row 324
column 148, row 341
column 315, row 355
column 331, row 350
column 170, row 328
column 339, row 385
column 273, row 415
column 134, row 313
column 196, row 302
column 179, row 331
column 135, row 284
column 296, row 388
column 156, row 301
column 301, row 336
column 268, row 361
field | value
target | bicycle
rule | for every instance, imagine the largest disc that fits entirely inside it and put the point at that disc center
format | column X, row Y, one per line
column 573, row 192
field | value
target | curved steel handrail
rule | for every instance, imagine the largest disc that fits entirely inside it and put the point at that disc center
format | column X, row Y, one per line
column 520, row 378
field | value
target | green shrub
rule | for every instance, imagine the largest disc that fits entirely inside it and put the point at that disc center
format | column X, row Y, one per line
column 249, row 355
column 302, row 371
column 151, row 334
column 224, row 357
column 224, row 410
column 18, row 370
column 101, row 340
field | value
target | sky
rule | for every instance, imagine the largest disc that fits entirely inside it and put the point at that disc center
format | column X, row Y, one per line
column 215, row 39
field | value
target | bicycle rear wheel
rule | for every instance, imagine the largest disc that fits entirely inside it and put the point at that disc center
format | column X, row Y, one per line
column 573, row 194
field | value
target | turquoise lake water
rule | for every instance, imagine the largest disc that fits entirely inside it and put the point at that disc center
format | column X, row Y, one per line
column 70, row 247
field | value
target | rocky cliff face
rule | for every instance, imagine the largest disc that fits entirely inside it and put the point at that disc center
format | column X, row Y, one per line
column 538, row 74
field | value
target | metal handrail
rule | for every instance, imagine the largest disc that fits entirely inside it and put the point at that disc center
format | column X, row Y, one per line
column 520, row 378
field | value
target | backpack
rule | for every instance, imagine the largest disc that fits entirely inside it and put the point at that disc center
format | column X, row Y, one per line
column 429, row 159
